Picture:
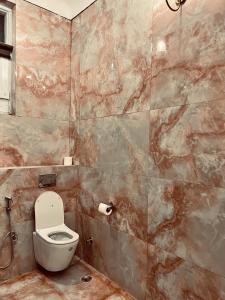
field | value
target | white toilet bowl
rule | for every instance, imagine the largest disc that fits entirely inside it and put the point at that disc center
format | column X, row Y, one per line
column 54, row 242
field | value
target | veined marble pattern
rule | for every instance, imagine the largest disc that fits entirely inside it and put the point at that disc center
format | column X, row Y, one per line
column 48, row 94
column 95, row 187
column 43, row 63
column 172, row 278
column 188, row 64
column 187, row 220
column 113, row 59
column 118, row 67
column 67, row 286
column 116, row 254
column 32, row 141
column 127, row 192
column 187, row 142
column 117, row 141
column 22, row 185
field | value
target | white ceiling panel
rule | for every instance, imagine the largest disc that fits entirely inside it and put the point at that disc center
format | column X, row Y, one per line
column 66, row 8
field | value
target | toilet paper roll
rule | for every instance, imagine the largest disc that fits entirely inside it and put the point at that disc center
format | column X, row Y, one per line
column 68, row 161
column 105, row 209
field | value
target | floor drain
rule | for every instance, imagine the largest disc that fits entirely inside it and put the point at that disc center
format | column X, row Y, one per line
column 86, row 278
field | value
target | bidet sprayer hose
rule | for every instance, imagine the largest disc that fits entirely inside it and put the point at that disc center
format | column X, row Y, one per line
column 11, row 235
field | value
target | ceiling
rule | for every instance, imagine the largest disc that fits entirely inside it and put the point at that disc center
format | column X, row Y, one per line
column 66, row 8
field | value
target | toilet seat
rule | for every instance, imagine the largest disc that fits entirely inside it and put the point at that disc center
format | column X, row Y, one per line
column 46, row 232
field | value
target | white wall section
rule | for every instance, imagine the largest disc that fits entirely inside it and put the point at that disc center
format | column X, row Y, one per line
column 66, row 8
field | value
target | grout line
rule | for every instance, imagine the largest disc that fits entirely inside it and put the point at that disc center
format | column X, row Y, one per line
column 108, row 169
column 36, row 118
column 112, row 227
column 154, row 109
column 188, row 103
column 116, row 115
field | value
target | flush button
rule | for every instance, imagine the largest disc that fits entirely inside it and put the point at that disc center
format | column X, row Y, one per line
column 47, row 180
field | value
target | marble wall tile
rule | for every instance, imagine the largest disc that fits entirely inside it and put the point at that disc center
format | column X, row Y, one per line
column 32, row 141
column 187, row 220
column 95, row 187
column 187, row 140
column 114, row 71
column 118, row 255
column 22, row 186
column 43, row 63
column 188, row 64
column 23, row 260
column 41, row 94
column 23, row 248
column 172, row 278
column 127, row 192
column 118, row 141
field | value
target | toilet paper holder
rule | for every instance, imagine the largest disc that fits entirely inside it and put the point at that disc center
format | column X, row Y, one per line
column 110, row 208
column 106, row 209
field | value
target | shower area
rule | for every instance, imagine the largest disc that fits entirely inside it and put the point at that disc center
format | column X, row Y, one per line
column 134, row 92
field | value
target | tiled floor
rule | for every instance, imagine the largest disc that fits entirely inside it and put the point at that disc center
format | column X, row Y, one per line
column 67, row 285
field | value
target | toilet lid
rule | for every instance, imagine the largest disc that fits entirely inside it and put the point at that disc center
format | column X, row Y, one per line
column 49, row 211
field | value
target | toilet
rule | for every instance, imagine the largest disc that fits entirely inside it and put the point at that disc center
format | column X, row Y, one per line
column 54, row 243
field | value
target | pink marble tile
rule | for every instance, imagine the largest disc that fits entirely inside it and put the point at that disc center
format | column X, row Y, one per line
column 116, row 254
column 127, row 192
column 192, row 69
column 117, row 141
column 95, row 187
column 22, row 185
column 100, row 287
column 43, row 62
column 187, row 142
column 129, row 196
column 30, row 286
column 23, row 249
column 64, row 286
column 171, row 278
column 32, row 141
column 115, row 71
column 48, row 94
column 187, row 220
